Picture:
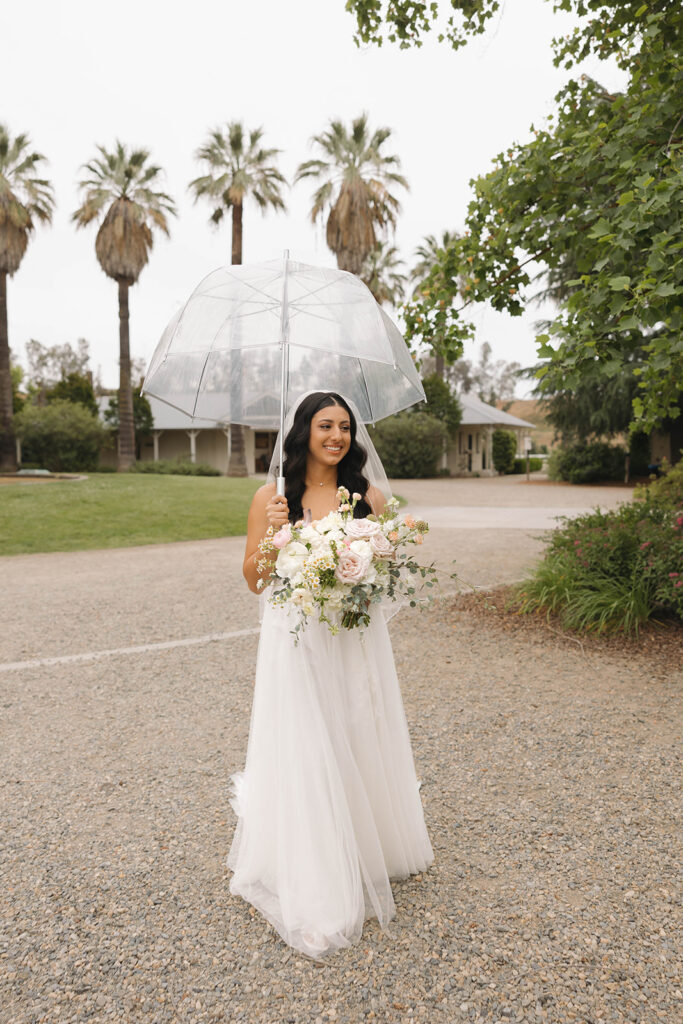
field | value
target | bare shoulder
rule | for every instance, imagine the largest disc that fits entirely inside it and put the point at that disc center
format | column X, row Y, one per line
column 376, row 500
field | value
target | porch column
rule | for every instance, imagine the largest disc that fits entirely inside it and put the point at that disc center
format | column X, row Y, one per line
column 156, row 434
column 193, row 434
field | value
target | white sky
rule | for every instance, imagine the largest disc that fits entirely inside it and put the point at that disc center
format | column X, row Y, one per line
column 78, row 73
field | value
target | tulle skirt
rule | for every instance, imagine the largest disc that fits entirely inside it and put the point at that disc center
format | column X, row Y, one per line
column 328, row 805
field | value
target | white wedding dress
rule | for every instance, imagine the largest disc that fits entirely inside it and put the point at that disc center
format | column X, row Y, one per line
column 328, row 805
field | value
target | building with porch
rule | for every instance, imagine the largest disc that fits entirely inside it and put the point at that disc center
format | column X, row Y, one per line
column 178, row 436
column 471, row 450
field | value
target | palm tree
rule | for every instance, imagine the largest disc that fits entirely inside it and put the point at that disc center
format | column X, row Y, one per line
column 237, row 166
column 381, row 273
column 123, row 183
column 356, row 181
column 428, row 254
column 24, row 199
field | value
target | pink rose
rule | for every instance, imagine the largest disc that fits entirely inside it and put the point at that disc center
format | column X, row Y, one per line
column 381, row 546
column 352, row 567
column 283, row 536
column 362, row 529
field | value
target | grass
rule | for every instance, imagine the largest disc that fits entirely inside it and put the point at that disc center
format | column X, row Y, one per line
column 112, row 510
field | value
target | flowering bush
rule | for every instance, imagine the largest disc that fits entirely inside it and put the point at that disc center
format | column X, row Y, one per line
column 335, row 568
column 611, row 571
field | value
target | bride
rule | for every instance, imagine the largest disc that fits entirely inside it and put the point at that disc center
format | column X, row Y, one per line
column 328, row 804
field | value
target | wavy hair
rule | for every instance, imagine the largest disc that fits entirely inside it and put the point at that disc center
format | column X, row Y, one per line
column 349, row 470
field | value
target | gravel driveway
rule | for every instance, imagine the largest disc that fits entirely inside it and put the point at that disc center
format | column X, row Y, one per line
column 550, row 786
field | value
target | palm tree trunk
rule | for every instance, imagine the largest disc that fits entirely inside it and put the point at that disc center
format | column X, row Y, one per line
column 238, row 459
column 8, row 451
column 236, row 233
column 126, row 422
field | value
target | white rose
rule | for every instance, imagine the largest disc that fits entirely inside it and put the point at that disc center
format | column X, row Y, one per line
column 332, row 521
column 362, row 548
column 362, row 528
column 291, row 559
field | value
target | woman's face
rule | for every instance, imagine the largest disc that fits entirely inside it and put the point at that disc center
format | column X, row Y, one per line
column 330, row 436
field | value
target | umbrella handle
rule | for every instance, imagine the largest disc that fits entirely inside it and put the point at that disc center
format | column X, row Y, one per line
column 280, row 485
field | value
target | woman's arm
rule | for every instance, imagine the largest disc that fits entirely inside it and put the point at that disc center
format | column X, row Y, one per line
column 267, row 509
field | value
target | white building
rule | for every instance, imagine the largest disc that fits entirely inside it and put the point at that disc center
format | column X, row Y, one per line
column 177, row 436
column 471, row 451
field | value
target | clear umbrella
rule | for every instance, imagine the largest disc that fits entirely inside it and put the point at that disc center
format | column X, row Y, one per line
column 251, row 336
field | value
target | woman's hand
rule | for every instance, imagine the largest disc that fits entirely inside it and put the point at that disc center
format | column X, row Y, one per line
column 277, row 511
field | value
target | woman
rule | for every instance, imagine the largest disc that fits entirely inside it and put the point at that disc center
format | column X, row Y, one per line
column 328, row 805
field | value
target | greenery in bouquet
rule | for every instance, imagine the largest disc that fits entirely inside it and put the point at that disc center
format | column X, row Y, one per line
column 335, row 568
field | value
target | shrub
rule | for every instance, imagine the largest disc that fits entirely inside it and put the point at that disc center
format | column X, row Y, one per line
column 504, row 449
column 62, row 436
column 667, row 489
column 534, row 465
column 612, row 571
column 410, row 444
column 179, row 467
column 587, row 462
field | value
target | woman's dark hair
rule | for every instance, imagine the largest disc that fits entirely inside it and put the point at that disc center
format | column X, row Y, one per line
column 349, row 470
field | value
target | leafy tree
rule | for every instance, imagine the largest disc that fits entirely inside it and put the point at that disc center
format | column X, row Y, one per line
column 18, row 399
column 75, row 387
column 357, row 176
column 406, row 21
column 142, row 417
column 237, row 167
column 381, row 272
column 49, row 364
column 121, row 190
column 600, row 188
column 441, row 403
column 503, row 450
column 25, row 198
column 490, row 380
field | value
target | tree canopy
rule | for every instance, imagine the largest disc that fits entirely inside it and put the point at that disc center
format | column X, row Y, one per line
column 599, row 188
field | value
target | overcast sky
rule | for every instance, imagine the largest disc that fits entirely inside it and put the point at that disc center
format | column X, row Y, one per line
column 78, row 73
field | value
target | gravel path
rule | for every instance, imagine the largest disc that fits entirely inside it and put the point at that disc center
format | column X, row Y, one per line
column 550, row 786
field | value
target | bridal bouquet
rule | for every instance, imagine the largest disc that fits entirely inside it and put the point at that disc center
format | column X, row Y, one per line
column 333, row 569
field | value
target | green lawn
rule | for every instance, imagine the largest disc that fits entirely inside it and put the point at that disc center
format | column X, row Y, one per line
column 112, row 510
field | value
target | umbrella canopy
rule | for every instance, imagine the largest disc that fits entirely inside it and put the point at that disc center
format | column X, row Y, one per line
column 250, row 336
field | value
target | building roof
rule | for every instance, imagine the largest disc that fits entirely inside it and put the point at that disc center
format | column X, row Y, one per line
column 165, row 416
column 478, row 413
